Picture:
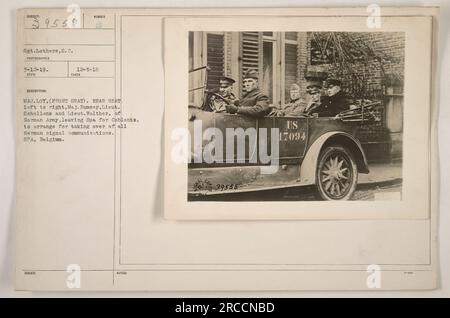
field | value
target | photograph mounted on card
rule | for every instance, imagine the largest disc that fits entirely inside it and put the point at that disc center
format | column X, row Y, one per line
column 301, row 135
column 297, row 118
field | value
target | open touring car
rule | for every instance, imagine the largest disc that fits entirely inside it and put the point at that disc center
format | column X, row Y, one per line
column 319, row 151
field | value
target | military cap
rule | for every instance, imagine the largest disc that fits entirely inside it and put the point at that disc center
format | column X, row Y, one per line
column 333, row 81
column 314, row 75
column 226, row 79
column 311, row 84
column 251, row 73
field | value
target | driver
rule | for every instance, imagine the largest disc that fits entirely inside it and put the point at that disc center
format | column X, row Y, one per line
column 254, row 103
column 224, row 97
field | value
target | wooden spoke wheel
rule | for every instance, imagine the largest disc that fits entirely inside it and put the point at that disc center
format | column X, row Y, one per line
column 336, row 174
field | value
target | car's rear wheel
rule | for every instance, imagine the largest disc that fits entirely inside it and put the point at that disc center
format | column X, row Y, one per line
column 336, row 174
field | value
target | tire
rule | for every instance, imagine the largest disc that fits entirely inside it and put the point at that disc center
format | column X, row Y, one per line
column 336, row 174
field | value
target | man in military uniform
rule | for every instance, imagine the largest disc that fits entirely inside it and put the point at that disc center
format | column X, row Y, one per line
column 253, row 103
column 314, row 90
column 225, row 96
column 296, row 105
column 335, row 101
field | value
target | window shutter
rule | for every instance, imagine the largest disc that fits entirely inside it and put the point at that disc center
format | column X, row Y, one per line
column 215, row 58
column 251, row 51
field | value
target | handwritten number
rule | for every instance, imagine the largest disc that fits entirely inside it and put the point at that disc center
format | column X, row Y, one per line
column 35, row 24
column 224, row 187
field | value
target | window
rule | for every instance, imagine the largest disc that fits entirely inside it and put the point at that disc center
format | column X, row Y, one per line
column 274, row 55
column 205, row 49
column 290, row 62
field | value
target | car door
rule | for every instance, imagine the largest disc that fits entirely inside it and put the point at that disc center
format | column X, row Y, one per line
column 292, row 136
column 239, row 132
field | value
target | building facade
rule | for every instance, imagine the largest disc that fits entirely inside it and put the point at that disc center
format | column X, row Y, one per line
column 370, row 64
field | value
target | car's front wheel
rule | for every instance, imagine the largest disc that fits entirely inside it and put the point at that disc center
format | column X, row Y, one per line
column 336, row 174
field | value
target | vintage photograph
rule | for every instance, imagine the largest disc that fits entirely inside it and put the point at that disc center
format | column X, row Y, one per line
column 295, row 116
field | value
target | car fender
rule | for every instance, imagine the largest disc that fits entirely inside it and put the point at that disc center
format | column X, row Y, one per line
column 309, row 163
